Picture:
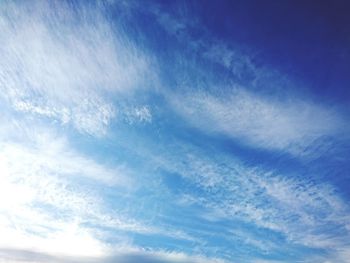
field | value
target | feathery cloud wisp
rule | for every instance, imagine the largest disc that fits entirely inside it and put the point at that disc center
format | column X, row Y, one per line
column 64, row 66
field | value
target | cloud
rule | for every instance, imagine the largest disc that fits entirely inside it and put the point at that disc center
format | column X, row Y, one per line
column 254, row 104
column 69, row 64
column 213, row 50
column 290, row 125
column 235, row 61
column 303, row 210
column 41, row 207
column 52, row 154
column 134, row 255
column 138, row 114
column 63, row 62
column 52, row 197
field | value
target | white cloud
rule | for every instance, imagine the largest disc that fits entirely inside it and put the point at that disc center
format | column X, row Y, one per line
column 270, row 111
column 123, row 254
column 46, row 197
column 52, row 154
column 66, row 239
column 61, row 62
column 28, row 193
column 141, row 114
column 301, row 209
column 238, row 63
column 262, row 122
column 50, row 193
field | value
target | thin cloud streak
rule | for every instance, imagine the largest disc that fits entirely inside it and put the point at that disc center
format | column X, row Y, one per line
column 258, row 121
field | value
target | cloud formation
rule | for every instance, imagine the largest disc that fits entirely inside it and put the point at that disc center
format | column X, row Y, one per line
column 298, row 208
column 60, row 61
column 131, row 133
column 126, row 257
column 258, row 121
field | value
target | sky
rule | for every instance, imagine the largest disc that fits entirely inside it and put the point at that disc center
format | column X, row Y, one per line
column 174, row 131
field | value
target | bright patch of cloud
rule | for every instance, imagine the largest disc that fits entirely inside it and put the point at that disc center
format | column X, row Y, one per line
column 125, row 255
column 60, row 61
column 46, row 198
column 50, row 199
column 29, row 190
column 52, row 155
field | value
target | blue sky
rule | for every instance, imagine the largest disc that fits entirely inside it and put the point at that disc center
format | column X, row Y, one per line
column 174, row 131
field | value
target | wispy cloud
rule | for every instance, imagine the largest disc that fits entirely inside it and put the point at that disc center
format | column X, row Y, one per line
column 253, row 104
column 51, row 199
column 41, row 207
column 264, row 122
column 172, row 192
column 304, row 211
column 138, row 114
column 60, row 61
